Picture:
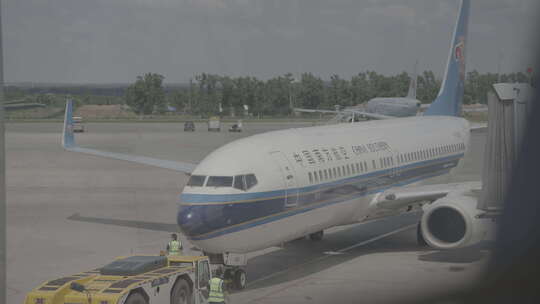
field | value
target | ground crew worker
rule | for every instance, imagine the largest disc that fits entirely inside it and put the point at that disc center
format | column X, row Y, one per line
column 217, row 292
column 174, row 247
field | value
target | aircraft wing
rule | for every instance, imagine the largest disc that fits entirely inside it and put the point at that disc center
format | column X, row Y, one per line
column 397, row 198
column 316, row 111
column 348, row 112
column 368, row 115
column 15, row 105
column 68, row 142
column 478, row 126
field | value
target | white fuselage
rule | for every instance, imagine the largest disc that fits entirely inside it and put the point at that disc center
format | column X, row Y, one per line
column 270, row 188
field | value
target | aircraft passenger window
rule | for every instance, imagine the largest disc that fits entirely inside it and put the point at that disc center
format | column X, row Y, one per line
column 219, row 181
column 310, row 177
column 196, row 180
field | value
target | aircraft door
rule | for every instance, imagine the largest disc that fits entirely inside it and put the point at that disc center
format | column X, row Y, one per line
column 289, row 178
column 396, row 163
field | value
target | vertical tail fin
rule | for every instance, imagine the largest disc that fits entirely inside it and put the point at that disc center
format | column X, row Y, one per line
column 414, row 82
column 68, row 140
column 450, row 96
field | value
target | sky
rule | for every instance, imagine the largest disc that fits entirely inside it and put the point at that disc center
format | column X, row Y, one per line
column 113, row 41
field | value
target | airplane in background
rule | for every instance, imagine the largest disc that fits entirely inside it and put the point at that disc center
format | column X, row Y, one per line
column 267, row 189
column 13, row 105
column 377, row 108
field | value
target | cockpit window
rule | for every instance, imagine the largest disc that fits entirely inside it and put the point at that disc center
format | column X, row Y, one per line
column 251, row 181
column 245, row 182
column 239, row 182
column 196, row 181
column 220, row 181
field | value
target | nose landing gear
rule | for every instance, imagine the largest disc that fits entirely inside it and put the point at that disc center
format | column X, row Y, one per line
column 236, row 278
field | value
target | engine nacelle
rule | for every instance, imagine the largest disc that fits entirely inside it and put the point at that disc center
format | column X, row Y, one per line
column 452, row 222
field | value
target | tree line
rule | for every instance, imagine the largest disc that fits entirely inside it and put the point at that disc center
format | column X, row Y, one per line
column 209, row 94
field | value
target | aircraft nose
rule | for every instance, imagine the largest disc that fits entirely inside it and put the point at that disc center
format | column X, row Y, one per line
column 197, row 220
column 188, row 219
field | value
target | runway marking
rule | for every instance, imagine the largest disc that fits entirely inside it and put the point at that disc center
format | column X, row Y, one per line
column 341, row 251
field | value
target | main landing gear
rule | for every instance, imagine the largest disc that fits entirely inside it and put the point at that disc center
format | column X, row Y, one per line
column 420, row 237
column 316, row 236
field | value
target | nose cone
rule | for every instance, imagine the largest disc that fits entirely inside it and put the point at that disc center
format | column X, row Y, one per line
column 197, row 221
column 187, row 220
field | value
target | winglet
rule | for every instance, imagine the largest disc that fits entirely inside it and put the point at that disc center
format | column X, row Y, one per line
column 68, row 140
column 450, row 98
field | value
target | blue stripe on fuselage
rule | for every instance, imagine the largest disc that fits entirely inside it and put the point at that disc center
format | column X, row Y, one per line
column 204, row 221
column 276, row 217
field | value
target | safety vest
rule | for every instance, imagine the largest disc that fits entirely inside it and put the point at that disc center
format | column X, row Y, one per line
column 216, row 291
column 174, row 247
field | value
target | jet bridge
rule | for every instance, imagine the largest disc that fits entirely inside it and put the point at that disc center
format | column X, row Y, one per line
column 509, row 105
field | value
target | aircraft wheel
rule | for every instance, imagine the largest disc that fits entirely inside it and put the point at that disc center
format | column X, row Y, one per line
column 419, row 237
column 181, row 293
column 240, row 279
column 317, row 236
column 136, row 298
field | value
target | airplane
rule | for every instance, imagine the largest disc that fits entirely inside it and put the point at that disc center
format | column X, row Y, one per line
column 271, row 188
column 13, row 105
column 378, row 107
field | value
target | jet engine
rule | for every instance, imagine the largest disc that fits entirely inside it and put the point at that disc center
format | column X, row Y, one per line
column 452, row 222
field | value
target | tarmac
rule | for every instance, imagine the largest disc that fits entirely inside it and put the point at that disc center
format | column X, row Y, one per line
column 69, row 212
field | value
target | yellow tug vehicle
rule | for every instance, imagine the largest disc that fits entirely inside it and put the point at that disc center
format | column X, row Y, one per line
column 134, row 279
